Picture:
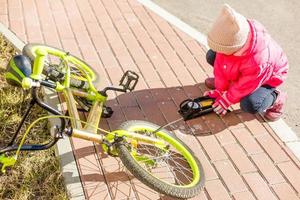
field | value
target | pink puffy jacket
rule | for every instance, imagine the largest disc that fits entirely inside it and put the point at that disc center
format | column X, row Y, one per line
column 264, row 63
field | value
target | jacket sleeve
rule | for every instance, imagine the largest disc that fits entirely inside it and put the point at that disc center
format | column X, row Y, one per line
column 249, row 80
column 221, row 82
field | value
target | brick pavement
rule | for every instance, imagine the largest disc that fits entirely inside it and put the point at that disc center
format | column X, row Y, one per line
column 241, row 155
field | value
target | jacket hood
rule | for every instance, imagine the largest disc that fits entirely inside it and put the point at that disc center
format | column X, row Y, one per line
column 260, row 38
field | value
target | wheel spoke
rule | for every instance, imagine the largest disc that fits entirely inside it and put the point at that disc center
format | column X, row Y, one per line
column 76, row 71
column 169, row 165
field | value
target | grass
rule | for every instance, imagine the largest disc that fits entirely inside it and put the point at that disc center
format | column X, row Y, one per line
column 36, row 175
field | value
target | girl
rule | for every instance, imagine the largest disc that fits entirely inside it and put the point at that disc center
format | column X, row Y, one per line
column 248, row 66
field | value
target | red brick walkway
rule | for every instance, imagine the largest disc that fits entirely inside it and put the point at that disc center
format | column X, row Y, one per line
column 241, row 155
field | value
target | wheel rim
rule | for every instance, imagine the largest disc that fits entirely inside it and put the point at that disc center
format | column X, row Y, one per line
column 182, row 176
column 79, row 71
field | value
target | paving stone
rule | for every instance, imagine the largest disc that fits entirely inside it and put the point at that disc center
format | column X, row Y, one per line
column 153, row 113
column 251, row 122
column 259, row 186
column 273, row 149
column 245, row 138
column 239, row 158
column 292, row 173
column 285, row 192
column 230, row 176
column 214, row 123
column 213, row 149
column 267, row 168
column 225, row 137
column 133, row 113
column 232, row 121
column 243, row 196
column 215, row 190
column 127, row 100
column 201, row 196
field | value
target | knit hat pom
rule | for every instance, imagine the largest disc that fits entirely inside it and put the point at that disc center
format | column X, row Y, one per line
column 229, row 32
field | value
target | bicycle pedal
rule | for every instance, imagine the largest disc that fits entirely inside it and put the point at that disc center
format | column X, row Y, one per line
column 7, row 162
column 107, row 112
column 129, row 80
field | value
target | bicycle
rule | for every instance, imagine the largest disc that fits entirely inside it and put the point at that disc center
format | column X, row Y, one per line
column 152, row 154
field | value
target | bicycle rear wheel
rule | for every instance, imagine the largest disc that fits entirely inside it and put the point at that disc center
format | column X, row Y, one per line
column 175, row 172
column 79, row 69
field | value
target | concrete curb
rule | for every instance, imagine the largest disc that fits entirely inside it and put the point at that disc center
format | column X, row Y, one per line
column 63, row 147
column 282, row 130
column 10, row 36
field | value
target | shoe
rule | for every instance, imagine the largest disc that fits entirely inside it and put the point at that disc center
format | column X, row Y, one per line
column 276, row 110
column 210, row 83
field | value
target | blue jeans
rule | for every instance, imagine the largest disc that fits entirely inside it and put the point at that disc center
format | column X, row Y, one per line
column 257, row 102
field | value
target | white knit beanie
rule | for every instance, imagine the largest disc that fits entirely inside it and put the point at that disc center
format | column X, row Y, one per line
column 229, row 32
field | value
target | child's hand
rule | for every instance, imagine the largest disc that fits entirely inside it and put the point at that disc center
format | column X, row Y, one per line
column 221, row 105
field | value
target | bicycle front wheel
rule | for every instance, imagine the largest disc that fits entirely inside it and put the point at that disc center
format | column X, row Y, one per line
column 175, row 172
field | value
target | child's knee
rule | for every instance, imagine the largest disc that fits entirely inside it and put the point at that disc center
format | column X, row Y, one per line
column 251, row 105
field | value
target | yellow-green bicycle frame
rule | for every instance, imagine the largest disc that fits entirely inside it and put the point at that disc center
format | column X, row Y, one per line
column 90, row 129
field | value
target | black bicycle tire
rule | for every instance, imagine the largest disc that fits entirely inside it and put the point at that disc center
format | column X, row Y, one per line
column 73, row 82
column 151, row 181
